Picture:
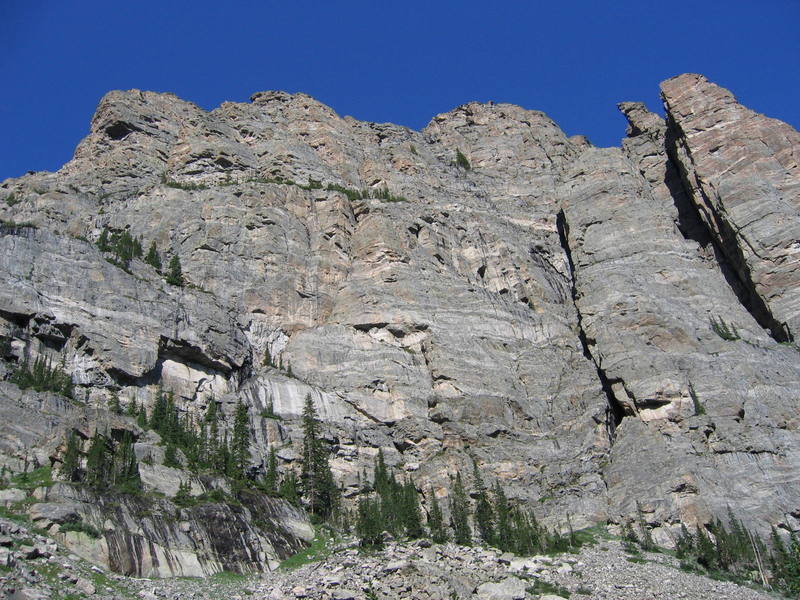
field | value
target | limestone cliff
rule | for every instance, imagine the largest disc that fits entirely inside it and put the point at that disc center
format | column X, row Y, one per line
column 545, row 308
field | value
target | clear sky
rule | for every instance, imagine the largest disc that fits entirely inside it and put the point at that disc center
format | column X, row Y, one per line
column 376, row 60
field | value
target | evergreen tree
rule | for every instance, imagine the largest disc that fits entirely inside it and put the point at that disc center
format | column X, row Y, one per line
column 684, row 545
column 126, row 468
column 71, row 461
column 647, row 542
column 102, row 241
column 240, row 447
column 159, row 415
column 171, row 457
column 113, row 404
column 271, row 478
column 459, row 514
column 381, row 476
column 183, row 496
column 98, row 465
column 131, row 410
column 319, row 489
column 174, row 271
column 484, row 515
column 141, row 419
column 502, row 510
column 288, row 489
column 368, row 524
column 412, row 518
column 153, row 258
column 706, row 551
column 43, row 377
column 436, row 521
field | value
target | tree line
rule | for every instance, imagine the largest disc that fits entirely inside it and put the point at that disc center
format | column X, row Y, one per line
column 124, row 247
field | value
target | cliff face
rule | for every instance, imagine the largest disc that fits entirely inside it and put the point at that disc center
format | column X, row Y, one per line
column 552, row 312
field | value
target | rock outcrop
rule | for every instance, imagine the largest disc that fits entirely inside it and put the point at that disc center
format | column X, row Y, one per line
column 603, row 331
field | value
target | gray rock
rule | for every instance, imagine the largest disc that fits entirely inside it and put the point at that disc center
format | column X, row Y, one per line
column 510, row 588
column 741, row 170
column 546, row 313
column 12, row 495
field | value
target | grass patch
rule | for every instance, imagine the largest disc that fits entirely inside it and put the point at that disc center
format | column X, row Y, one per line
column 319, row 549
column 541, row 587
column 41, row 477
column 81, row 527
column 228, row 577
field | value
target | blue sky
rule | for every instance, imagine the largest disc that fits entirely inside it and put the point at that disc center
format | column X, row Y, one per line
column 402, row 62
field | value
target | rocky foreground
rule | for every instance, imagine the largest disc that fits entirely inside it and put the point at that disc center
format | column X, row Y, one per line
column 33, row 567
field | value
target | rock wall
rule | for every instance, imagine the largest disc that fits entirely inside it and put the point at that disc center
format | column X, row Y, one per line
column 548, row 312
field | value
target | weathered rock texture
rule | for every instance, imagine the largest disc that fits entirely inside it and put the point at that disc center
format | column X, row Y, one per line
column 546, row 312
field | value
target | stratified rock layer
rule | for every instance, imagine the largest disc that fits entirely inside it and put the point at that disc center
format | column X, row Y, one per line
column 551, row 311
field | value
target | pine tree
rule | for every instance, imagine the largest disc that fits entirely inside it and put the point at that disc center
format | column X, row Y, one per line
column 288, row 490
column 102, row 241
column 459, row 514
column 183, row 497
column 141, row 419
column 171, row 457
column 126, row 468
column 684, row 545
column 174, row 272
column 97, row 462
column 113, row 404
column 153, row 258
column 381, row 476
column 706, row 552
column 319, row 489
column 368, row 524
column 271, row 478
column 240, row 447
column 646, row 539
column 484, row 515
column 436, row 521
column 502, row 511
column 131, row 410
column 71, row 461
column 159, row 415
column 412, row 518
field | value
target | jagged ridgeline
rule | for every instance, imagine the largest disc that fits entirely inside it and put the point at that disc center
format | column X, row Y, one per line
column 222, row 321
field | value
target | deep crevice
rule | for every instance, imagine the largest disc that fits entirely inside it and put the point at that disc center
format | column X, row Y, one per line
column 614, row 411
column 727, row 252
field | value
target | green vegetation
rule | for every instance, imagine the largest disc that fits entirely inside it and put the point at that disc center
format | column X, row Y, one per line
column 12, row 199
column 30, row 480
column 699, row 409
column 165, row 180
column 123, row 246
column 459, row 513
column 16, row 227
column 153, row 258
column 112, row 464
column 462, row 161
column 319, row 549
column 43, row 377
column 229, row 577
column 542, row 587
column 174, row 271
column 269, row 412
column 724, row 330
column 394, row 508
column 319, row 489
column 81, row 527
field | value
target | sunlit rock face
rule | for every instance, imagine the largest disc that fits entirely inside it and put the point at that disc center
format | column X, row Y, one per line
column 486, row 290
